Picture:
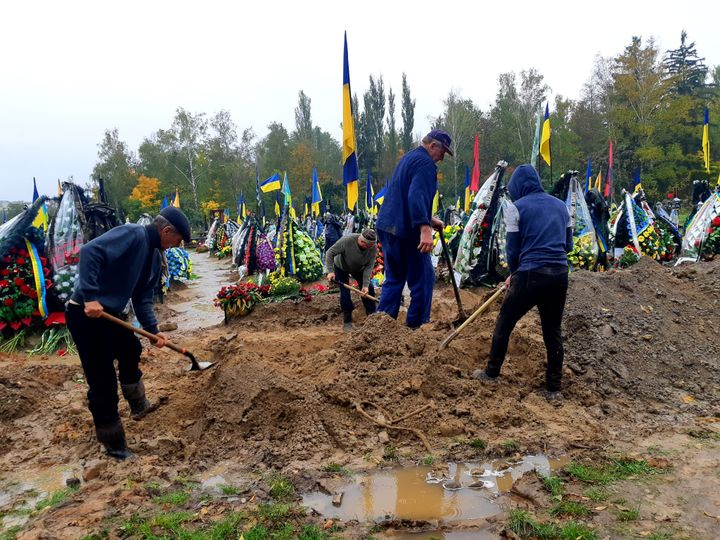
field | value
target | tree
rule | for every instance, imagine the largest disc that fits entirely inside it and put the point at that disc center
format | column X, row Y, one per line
column 303, row 121
column 273, row 150
column 146, row 193
column 392, row 138
column 408, row 116
column 116, row 167
column 685, row 68
column 461, row 119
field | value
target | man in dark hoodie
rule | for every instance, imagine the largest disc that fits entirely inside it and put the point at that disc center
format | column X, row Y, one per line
column 120, row 265
column 539, row 236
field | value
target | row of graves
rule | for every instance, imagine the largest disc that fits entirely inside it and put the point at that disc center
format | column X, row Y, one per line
column 39, row 257
column 278, row 261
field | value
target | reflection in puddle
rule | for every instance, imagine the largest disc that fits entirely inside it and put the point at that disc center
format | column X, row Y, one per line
column 462, row 491
column 476, row 534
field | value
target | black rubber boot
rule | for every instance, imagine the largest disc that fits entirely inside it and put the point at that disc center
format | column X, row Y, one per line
column 139, row 404
column 112, row 437
column 347, row 321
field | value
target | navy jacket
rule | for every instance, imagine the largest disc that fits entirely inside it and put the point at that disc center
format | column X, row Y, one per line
column 409, row 196
column 539, row 232
column 118, row 266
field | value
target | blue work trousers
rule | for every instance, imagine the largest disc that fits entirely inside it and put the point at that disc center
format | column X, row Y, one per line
column 405, row 264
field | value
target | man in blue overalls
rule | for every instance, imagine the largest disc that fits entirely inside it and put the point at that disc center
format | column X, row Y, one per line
column 405, row 229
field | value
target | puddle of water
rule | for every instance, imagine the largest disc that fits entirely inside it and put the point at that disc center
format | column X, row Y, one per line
column 23, row 493
column 476, row 534
column 424, row 493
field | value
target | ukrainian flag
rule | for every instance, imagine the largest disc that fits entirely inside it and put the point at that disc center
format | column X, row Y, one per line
column 349, row 156
column 316, row 194
column 271, row 184
column 468, row 195
column 369, row 196
column 380, row 197
column 176, row 202
column 41, row 219
column 706, row 141
column 545, row 137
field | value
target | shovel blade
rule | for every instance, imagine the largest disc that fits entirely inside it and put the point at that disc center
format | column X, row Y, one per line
column 199, row 366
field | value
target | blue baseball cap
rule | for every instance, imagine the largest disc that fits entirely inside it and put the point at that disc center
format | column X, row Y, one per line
column 177, row 219
column 443, row 138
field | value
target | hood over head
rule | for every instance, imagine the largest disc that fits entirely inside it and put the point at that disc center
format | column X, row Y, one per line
column 524, row 181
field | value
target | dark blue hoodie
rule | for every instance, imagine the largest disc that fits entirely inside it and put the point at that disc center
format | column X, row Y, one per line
column 539, row 232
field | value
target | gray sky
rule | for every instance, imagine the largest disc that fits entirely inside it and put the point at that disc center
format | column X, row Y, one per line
column 70, row 70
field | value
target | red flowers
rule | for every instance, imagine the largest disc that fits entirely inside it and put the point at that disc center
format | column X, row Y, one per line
column 20, row 261
column 19, row 282
column 4, row 283
column 716, row 221
column 4, row 272
column 8, row 302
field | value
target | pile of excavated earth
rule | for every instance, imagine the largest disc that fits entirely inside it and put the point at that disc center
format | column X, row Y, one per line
column 291, row 391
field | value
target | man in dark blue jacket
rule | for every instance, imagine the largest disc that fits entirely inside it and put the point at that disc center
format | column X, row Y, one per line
column 120, row 265
column 539, row 236
column 405, row 226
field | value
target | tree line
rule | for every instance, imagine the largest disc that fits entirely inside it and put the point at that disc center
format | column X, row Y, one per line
column 650, row 103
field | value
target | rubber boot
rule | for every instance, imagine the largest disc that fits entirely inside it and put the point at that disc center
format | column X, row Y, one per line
column 347, row 321
column 112, row 437
column 139, row 404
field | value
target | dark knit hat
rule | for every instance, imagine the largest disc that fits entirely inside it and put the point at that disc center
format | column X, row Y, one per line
column 178, row 220
column 369, row 236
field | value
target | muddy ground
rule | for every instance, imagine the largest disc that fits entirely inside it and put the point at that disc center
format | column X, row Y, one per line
column 294, row 394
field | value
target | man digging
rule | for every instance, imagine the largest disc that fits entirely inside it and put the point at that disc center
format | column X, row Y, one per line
column 120, row 265
column 353, row 255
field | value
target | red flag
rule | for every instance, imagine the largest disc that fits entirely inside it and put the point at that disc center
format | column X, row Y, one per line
column 608, row 180
column 475, row 181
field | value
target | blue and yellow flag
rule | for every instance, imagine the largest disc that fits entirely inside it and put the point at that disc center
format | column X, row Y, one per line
column 588, row 174
column 271, row 184
column 706, row 141
column 164, row 203
column 41, row 220
column 369, row 195
column 316, row 194
column 277, row 205
column 545, row 137
column 598, row 181
column 380, row 197
column 286, row 191
column 349, row 156
column 176, row 202
column 468, row 194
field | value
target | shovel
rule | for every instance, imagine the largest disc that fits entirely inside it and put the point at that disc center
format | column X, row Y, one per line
column 194, row 364
column 350, row 287
column 446, row 252
column 479, row 311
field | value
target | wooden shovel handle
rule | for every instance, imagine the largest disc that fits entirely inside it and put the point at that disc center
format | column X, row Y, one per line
column 347, row 286
column 141, row 331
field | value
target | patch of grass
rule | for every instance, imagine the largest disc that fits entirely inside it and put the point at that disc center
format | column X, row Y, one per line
column 704, row 434
column 570, row 508
column 312, row 532
column 152, row 486
column 523, row 524
column 258, row 532
column 173, row 498
column 11, row 533
column 225, row 528
column 274, row 512
column 661, row 535
column 285, row 532
column 629, row 514
column 337, row 469
column 187, row 483
column 510, row 444
column 140, row 527
column 281, row 488
column 479, row 444
column 428, row 461
column 617, row 469
column 171, row 521
column 390, row 453
column 55, row 498
column 596, row 494
column 553, row 485
column 227, row 489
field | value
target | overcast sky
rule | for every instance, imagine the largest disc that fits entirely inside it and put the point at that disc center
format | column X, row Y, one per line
column 70, row 70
